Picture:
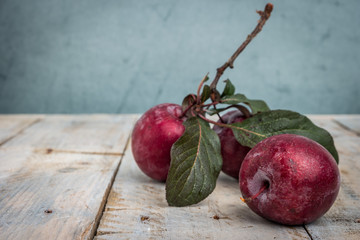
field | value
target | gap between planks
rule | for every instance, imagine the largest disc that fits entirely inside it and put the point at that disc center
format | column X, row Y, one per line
column 308, row 232
column 106, row 195
column 52, row 150
column 343, row 126
column 21, row 130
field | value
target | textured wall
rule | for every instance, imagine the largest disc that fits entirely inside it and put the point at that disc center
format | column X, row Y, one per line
column 123, row 56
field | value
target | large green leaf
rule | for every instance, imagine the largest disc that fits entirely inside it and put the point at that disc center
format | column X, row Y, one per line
column 195, row 164
column 255, row 105
column 252, row 130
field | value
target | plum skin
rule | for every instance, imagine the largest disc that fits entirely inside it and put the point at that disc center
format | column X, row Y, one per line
column 233, row 153
column 153, row 136
column 302, row 176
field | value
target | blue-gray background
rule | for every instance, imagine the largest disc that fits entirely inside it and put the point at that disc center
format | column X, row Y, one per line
column 123, row 56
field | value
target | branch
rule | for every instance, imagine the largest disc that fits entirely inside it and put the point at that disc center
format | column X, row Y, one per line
column 264, row 16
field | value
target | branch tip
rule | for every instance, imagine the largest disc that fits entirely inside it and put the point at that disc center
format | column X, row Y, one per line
column 264, row 16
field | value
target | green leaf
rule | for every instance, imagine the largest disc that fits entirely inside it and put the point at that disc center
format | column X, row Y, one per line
column 188, row 101
column 260, row 126
column 205, row 95
column 195, row 164
column 229, row 89
column 256, row 106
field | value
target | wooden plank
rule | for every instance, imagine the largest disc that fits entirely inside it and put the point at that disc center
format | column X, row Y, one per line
column 137, row 209
column 11, row 125
column 59, row 194
column 342, row 221
column 96, row 134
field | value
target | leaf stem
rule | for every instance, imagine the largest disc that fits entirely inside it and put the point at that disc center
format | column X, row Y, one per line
column 230, row 126
column 264, row 16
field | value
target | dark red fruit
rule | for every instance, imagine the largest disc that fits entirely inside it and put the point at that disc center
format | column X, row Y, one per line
column 289, row 179
column 232, row 151
column 153, row 136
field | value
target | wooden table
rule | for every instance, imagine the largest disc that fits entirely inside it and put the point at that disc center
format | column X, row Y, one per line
column 74, row 177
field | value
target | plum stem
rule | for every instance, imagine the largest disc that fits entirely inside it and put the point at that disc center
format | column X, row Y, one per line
column 266, row 185
column 264, row 16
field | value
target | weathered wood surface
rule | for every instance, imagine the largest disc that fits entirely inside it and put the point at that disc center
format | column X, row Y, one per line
column 55, row 175
column 57, row 172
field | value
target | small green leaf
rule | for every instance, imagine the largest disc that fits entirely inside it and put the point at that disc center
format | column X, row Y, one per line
column 234, row 99
column 188, row 101
column 255, row 105
column 195, row 164
column 229, row 89
column 260, row 126
column 205, row 95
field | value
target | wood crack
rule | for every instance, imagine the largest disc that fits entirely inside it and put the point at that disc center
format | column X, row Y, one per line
column 101, row 233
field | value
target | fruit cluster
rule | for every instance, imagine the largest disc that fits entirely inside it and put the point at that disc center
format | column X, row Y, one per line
column 286, row 166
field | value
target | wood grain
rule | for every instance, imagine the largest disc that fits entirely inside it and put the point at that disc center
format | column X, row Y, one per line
column 59, row 194
column 342, row 221
column 137, row 209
